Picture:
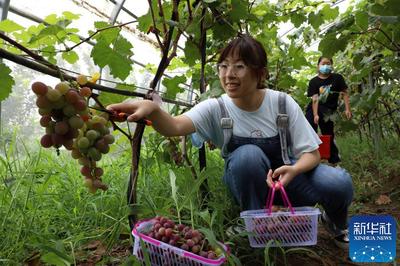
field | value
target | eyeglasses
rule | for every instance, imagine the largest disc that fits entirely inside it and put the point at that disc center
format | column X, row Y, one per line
column 237, row 69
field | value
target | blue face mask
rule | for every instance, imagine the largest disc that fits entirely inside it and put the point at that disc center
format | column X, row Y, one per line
column 325, row 69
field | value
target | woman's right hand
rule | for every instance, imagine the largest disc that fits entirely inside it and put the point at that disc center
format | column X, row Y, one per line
column 135, row 110
column 316, row 119
column 162, row 121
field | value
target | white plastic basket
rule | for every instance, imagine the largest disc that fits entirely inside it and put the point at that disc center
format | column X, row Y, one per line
column 162, row 254
column 295, row 227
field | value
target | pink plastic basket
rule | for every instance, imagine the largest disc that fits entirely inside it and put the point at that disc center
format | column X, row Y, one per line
column 162, row 254
column 295, row 227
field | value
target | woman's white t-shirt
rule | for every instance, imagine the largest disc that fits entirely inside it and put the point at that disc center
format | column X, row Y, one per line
column 261, row 123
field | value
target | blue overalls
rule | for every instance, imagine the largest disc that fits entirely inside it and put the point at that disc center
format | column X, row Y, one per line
column 256, row 156
column 246, row 168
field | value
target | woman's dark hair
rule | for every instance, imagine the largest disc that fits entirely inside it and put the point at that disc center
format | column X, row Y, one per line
column 251, row 52
column 322, row 57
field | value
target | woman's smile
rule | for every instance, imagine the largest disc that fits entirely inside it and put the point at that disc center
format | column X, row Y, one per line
column 232, row 85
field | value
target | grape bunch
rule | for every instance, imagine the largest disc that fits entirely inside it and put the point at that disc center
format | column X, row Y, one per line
column 69, row 123
column 183, row 237
column 171, row 151
column 283, row 226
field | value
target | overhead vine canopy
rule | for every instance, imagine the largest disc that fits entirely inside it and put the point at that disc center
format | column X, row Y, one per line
column 364, row 41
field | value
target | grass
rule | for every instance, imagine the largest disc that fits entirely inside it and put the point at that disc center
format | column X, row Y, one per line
column 371, row 167
column 45, row 207
column 45, row 211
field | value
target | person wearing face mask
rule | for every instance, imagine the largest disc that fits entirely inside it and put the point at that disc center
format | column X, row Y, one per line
column 324, row 90
column 252, row 150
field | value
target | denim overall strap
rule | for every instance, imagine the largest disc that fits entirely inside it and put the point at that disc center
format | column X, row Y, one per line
column 282, row 121
column 227, row 127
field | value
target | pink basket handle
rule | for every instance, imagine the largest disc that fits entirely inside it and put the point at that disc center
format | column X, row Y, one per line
column 270, row 198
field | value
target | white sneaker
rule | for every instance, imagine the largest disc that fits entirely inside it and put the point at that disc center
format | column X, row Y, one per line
column 340, row 237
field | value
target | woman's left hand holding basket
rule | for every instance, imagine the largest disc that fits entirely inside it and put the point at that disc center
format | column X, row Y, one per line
column 284, row 174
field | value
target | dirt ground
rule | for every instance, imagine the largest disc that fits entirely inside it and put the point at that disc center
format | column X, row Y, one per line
column 328, row 254
column 333, row 256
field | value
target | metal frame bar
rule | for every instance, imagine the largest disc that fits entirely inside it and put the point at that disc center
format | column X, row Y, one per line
column 36, row 19
column 4, row 7
column 114, row 14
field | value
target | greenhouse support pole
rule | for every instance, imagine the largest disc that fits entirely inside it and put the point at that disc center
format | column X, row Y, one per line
column 114, row 14
column 4, row 5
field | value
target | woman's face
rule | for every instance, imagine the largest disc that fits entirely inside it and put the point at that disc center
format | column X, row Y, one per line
column 237, row 79
column 325, row 66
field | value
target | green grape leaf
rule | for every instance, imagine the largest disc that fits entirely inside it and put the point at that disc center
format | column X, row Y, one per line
column 146, row 20
column 72, row 30
column 357, row 57
column 238, row 11
column 214, row 91
column 74, row 38
column 299, row 61
column 9, row 26
column 172, row 86
column 101, row 53
column 71, row 16
column 152, row 68
column 109, row 35
column 389, row 8
column 49, row 52
column 176, row 62
column 34, row 30
column 362, row 20
column 123, row 47
column 120, row 67
column 222, row 32
column 61, row 35
column 71, row 56
column 315, row 20
column 192, row 53
column 108, row 98
column 330, row 44
column 193, row 28
column 329, row 13
column 297, row 19
column 117, row 58
column 48, row 31
column 51, row 19
column 7, row 81
column 286, row 81
column 22, row 36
